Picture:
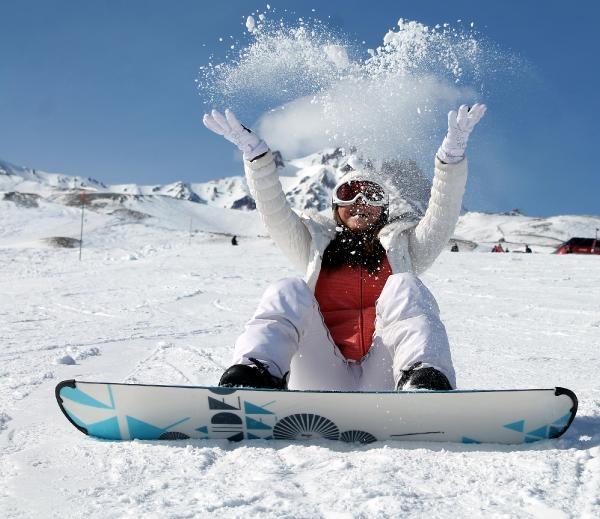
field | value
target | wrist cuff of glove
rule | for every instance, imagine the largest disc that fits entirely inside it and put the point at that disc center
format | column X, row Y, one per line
column 253, row 153
column 448, row 158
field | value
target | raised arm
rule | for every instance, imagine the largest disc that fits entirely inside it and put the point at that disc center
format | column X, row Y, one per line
column 428, row 239
column 284, row 225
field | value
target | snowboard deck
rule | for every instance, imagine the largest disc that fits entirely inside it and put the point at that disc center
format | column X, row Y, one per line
column 158, row 412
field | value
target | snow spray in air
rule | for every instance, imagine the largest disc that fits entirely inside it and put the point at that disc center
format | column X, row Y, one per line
column 315, row 90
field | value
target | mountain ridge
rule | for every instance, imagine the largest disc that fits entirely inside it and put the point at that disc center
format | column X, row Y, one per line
column 225, row 205
column 307, row 182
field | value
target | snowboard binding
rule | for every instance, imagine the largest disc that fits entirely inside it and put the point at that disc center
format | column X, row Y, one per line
column 419, row 377
column 257, row 376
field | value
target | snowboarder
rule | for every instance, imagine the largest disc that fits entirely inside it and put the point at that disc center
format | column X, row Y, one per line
column 361, row 319
column 528, row 249
column 454, row 248
column 234, row 240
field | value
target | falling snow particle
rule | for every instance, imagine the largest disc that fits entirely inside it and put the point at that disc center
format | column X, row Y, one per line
column 250, row 24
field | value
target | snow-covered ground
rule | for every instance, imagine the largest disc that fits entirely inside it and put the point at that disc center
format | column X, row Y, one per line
column 147, row 304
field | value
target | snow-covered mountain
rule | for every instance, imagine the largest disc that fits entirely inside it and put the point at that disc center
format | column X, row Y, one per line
column 308, row 181
column 27, row 180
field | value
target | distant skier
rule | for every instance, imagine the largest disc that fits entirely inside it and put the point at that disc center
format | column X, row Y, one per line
column 454, row 248
column 234, row 240
column 362, row 320
column 527, row 249
column 497, row 248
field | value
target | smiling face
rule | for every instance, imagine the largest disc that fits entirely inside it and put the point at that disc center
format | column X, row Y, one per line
column 359, row 216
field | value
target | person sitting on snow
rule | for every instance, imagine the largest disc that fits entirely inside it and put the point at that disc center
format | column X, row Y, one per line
column 361, row 319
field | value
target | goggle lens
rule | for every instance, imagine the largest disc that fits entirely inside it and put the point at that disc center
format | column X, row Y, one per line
column 370, row 190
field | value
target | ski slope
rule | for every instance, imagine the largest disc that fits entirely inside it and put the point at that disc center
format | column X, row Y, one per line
column 147, row 304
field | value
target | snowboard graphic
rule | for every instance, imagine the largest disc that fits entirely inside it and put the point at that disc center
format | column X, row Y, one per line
column 153, row 412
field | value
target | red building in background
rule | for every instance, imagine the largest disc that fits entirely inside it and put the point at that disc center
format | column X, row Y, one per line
column 579, row 246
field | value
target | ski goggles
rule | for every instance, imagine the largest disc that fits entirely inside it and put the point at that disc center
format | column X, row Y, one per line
column 347, row 193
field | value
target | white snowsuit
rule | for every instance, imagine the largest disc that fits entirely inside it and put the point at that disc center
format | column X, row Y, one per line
column 288, row 333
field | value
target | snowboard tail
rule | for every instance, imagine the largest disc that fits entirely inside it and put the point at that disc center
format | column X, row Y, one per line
column 157, row 412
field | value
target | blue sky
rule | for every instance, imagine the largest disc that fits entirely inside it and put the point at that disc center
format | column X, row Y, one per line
column 106, row 89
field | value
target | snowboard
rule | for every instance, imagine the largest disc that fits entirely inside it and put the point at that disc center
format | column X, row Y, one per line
column 156, row 412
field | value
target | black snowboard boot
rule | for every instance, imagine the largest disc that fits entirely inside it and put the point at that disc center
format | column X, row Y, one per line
column 419, row 377
column 257, row 376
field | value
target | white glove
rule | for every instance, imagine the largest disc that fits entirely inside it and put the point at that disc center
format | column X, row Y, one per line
column 229, row 127
column 460, row 126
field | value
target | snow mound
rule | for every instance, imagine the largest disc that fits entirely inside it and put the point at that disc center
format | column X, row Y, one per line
column 65, row 359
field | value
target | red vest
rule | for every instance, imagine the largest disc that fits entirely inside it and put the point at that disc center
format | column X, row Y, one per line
column 347, row 297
